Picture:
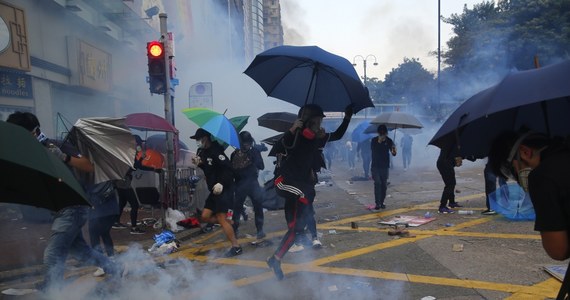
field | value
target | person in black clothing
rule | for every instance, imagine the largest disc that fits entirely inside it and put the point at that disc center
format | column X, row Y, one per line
column 490, row 187
column 296, row 180
column 219, row 178
column 540, row 165
column 445, row 166
column 246, row 163
column 364, row 149
column 381, row 147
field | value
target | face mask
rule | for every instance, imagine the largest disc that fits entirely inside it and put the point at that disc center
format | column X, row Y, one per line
column 308, row 134
column 522, row 178
column 198, row 144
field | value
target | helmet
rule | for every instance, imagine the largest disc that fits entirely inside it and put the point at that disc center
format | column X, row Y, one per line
column 245, row 137
column 308, row 111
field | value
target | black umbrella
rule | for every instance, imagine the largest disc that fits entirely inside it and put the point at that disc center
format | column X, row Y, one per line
column 278, row 121
column 309, row 74
column 33, row 175
column 537, row 99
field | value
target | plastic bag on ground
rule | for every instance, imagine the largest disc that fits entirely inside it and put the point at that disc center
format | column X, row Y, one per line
column 172, row 217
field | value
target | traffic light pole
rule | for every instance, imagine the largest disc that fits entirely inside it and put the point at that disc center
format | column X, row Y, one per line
column 168, row 115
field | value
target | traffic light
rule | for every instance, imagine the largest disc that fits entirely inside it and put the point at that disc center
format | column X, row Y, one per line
column 156, row 67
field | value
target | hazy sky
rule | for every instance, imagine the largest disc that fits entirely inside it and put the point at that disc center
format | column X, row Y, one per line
column 388, row 29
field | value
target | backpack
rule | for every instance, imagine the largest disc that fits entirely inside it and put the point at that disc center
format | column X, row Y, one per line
column 240, row 160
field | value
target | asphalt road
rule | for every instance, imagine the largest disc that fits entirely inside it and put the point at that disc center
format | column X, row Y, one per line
column 452, row 257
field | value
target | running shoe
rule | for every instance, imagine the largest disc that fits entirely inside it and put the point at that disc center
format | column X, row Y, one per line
column 260, row 235
column 119, row 226
column 489, row 212
column 275, row 264
column 234, row 251
column 454, row 205
column 445, row 210
column 317, row 244
column 136, row 230
column 296, row 248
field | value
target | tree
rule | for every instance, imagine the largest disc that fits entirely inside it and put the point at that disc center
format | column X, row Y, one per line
column 409, row 83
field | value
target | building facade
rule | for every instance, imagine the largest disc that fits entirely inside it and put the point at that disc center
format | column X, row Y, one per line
column 273, row 30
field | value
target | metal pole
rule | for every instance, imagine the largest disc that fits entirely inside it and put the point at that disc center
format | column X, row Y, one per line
column 171, row 162
column 438, row 55
column 366, row 109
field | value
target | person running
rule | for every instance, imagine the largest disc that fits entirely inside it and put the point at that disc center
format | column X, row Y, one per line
column 217, row 168
column 246, row 163
column 296, row 177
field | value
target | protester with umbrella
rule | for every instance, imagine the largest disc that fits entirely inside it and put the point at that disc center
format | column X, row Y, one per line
column 381, row 147
column 67, row 236
column 296, row 178
column 211, row 158
column 540, row 165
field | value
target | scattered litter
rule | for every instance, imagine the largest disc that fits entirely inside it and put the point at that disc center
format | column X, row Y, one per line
column 458, row 191
column 412, row 221
column 352, row 193
column 457, row 248
column 332, row 231
column 557, row 271
column 370, row 206
column 349, row 181
column 354, row 225
column 333, row 246
column 333, row 288
column 165, row 243
column 388, row 196
column 24, row 228
column 173, row 216
column 448, row 224
column 362, row 283
column 428, row 298
column 262, row 243
column 18, row 292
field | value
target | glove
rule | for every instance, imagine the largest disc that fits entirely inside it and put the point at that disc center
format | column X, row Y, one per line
column 218, row 188
column 57, row 152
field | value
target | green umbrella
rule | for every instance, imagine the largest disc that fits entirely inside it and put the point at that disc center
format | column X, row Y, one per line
column 34, row 176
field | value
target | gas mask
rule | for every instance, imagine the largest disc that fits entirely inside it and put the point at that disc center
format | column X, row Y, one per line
column 312, row 127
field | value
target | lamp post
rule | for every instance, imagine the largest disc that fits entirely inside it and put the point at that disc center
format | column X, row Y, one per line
column 364, row 60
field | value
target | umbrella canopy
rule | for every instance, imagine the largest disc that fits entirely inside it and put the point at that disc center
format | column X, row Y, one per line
column 148, row 122
column 359, row 133
column 215, row 123
column 511, row 201
column 309, row 74
column 239, row 123
column 34, row 176
column 108, row 143
column 278, row 121
column 537, row 99
column 397, row 119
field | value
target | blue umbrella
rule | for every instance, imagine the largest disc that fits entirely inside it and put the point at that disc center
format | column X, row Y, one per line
column 302, row 75
column 537, row 99
column 511, row 201
column 215, row 123
column 359, row 134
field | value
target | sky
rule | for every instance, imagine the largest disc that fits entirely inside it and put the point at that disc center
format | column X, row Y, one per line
column 387, row 29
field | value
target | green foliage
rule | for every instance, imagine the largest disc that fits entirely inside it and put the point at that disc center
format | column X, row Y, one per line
column 409, row 83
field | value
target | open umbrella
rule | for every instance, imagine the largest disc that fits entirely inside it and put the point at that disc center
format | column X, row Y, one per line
column 148, row 122
column 397, row 119
column 239, row 123
column 33, row 175
column 215, row 123
column 309, row 74
column 272, row 139
column 108, row 143
column 278, row 121
column 359, row 133
column 537, row 99
column 511, row 201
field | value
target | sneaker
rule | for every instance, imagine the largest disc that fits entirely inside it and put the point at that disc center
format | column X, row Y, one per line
column 445, row 210
column 489, row 212
column 234, row 251
column 296, row 248
column 136, row 230
column 275, row 264
column 381, row 206
column 261, row 235
column 119, row 226
column 454, row 205
column 317, row 244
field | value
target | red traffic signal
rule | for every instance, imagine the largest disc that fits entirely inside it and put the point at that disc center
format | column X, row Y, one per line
column 155, row 49
column 156, row 67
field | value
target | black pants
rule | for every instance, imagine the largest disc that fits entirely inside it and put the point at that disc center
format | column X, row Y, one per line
column 100, row 230
column 296, row 204
column 128, row 195
column 244, row 188
column 447, row 173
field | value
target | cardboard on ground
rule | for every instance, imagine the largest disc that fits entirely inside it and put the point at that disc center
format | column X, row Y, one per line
column 413, row 221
